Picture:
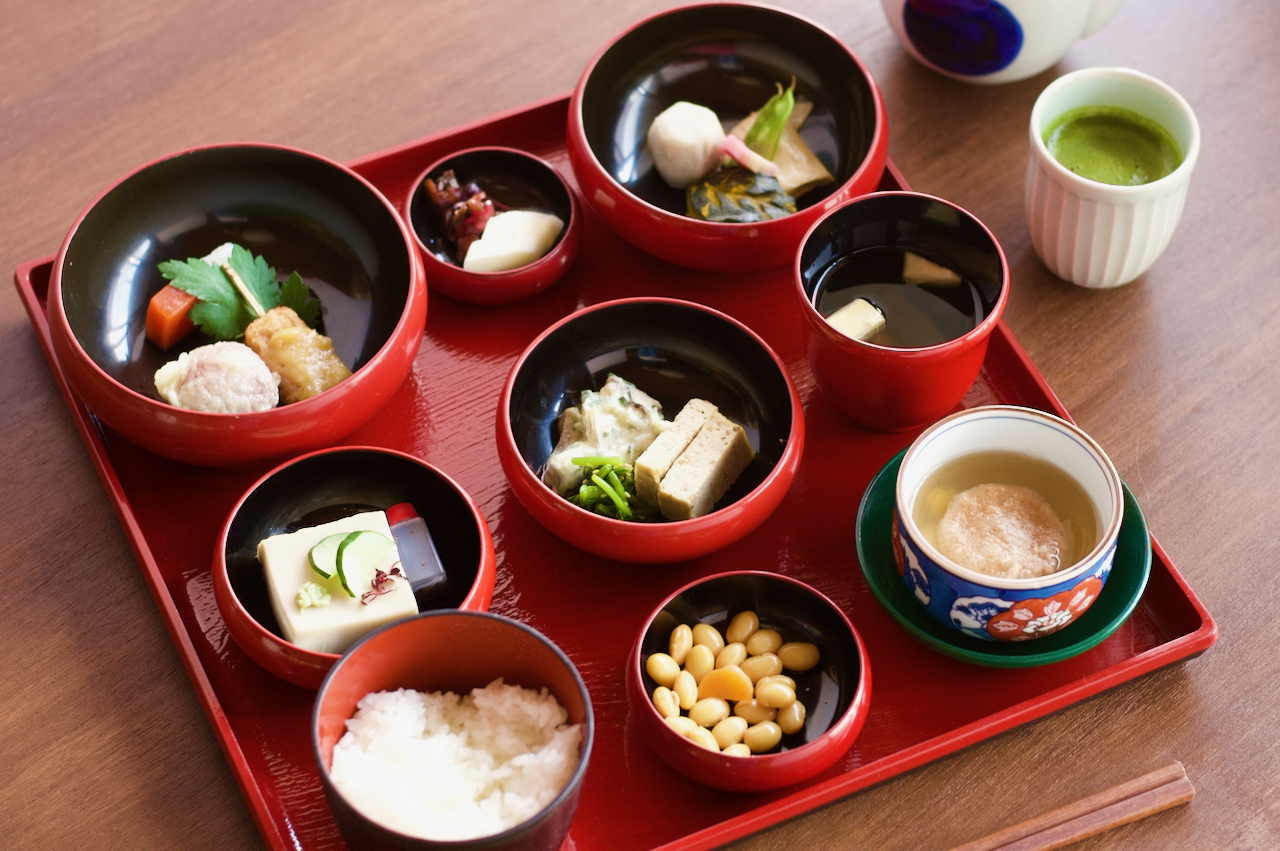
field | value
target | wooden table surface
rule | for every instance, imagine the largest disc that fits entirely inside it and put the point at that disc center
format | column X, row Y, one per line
column 1176, row 375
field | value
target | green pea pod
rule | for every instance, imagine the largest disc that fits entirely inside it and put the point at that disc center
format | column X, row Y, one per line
column 771, row 120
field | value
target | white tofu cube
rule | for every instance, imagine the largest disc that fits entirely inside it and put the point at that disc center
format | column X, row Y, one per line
column 335, row 627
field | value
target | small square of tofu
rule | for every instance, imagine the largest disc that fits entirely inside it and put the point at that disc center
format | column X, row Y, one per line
column 335, row 627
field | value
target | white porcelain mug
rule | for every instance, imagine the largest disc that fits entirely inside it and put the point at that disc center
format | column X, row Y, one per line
column 1096, row 234
column 990, row 41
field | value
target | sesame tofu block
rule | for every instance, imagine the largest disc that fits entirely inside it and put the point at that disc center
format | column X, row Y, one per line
column 655, row 461
column 714, row 459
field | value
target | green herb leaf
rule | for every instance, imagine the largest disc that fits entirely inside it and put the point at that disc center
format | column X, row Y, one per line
column 770, row 121
column 294, row 294
column 221, row 312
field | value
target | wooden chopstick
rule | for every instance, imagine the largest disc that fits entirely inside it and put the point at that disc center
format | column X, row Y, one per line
column 1151, row 793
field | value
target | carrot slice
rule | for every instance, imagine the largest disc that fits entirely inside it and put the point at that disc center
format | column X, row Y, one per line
column 167, row 321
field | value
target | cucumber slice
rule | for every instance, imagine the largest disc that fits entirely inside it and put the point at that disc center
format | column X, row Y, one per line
column 324, row 555
column 358, row 557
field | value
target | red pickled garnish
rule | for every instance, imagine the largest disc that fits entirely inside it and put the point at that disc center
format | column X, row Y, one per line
column 383, row 582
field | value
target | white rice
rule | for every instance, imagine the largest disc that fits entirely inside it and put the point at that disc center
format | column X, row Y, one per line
column 449, row 767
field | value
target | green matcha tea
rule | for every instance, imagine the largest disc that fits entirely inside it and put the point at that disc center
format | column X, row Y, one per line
column 1112, row 145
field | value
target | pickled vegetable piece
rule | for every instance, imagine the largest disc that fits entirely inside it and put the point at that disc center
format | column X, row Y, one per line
column 729, row 683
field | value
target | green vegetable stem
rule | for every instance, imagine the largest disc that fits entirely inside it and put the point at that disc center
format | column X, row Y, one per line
column 609, row 488
column 771, row 120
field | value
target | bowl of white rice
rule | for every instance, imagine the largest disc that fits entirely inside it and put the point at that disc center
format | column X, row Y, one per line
column 453, row 729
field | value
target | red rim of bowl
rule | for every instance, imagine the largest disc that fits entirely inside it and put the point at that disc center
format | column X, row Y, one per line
column 90, row 381
column 668, row 541
column 755, row 771
column 512, row 284
column 308, row 668
column 877, row 150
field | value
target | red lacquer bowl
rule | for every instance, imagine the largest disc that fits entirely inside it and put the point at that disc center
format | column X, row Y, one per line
column 513, row 179
column 320, row 487
column 451, row 651
column 674, row 351
column 728, row 57
column 303, row 213
column 896, row 389
column 836, row 693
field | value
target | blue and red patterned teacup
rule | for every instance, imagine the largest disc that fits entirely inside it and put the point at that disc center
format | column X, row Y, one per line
column 988, row 607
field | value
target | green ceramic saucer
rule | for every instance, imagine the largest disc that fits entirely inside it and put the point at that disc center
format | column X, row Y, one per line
column 1119, row 596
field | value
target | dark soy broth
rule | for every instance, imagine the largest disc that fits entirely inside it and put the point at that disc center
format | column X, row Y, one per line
column 916, row 315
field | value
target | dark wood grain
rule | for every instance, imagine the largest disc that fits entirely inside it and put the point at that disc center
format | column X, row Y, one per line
column 1175, row 375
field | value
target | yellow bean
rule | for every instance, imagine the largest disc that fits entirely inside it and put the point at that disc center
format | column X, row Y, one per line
column 709, row 636
column 709, row 711
column 732, row 654
column 682, row 724
column 764, row 641
column 729, row 731
column 741, row 627
column 700, row 660
column 702, row 736
column 753, row 711
column 737, row 749
column 775, row 695
column 686, row 690
column 798, row 655
column 666, row 702
column 759, row 667
column 777, row 678
column 762, row 737
column 681, row 641
column 791, row 719
column 662, row 668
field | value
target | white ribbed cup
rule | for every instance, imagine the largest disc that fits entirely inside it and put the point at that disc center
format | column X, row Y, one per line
column 1095, row 234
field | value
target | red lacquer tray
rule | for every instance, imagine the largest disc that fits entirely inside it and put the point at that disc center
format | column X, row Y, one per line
column 592, row 608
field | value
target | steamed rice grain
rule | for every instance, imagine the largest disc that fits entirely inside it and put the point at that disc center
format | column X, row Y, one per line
column 449, row 767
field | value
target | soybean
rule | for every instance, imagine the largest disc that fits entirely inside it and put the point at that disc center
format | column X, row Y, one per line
column 685, row 689
column 730, row 731
column 742, row 626
column 764, row 641
column 700, row 661
column 798, row 655
column 702, row 736
column 662, row 668
column 754, row 711
column 709, row 711
column 738, row 749
column 759, row 667
column 762, row 737
column 708, row 636
column 681, row 641
column 682, row 724
column 791, row 719
column 734, row 653
column 666, row 702
column 775, row 695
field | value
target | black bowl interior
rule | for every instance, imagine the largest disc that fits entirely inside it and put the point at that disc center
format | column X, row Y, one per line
column 730, row 59
column 673, row 352
column 325, row 487
column 514, row 181
column 300, row 213
column 798, row 614
column 917, row 223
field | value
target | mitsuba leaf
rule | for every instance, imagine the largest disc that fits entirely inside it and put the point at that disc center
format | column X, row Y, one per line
column 257, row 276
column 220, row 313
column 738, row 195
column 294, row 294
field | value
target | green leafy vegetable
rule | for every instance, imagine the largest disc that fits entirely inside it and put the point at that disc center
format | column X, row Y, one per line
column 739, row 195
column 771, row 120
column 609, row 488
column 222, row 312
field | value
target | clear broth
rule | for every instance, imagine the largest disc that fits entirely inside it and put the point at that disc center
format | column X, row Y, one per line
column 1062, row 491
column 916, row 315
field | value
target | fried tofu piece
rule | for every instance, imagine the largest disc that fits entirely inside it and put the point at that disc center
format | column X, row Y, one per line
column 302, row 357
column 702, row 474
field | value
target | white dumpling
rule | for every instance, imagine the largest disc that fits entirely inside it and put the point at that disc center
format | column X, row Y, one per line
column 220, row 378
column 685, row 141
